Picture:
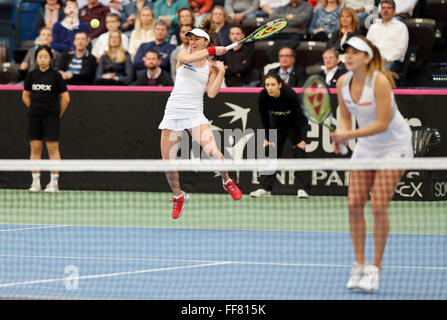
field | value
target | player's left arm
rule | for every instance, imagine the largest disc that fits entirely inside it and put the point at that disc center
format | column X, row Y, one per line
column 217, row 74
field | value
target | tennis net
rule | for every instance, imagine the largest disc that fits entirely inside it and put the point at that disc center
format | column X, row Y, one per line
column 108, row 232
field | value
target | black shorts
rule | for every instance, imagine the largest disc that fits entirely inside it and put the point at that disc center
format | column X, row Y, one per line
column 43, row 128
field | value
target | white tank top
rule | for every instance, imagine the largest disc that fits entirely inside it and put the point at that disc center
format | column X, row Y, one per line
column 364, row 110
column 186, row 99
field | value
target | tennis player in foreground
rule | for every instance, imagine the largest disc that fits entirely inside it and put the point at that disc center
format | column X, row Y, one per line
column 366, row 92
column 184, row 110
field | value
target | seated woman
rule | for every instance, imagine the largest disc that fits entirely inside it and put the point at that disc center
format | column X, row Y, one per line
column 325, row 20
column 144, row 30
column 115, row 66
column 348, row 26
column 185, row 17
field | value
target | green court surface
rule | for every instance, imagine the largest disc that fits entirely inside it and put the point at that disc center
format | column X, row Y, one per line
column 209, row 211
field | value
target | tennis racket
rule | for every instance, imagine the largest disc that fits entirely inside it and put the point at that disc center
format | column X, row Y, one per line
column 262, row 32
column 316, row 101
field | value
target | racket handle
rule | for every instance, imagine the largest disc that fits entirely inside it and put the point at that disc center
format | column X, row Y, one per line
column 342, row 148
column 232, row 46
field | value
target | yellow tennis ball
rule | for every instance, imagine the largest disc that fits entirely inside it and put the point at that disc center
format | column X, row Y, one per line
column 94, row 23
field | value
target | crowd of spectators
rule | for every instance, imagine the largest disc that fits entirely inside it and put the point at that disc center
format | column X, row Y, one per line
column 137, row 41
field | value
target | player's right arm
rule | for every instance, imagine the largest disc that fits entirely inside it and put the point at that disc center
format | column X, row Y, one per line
column 345, row 115
column 185, row 56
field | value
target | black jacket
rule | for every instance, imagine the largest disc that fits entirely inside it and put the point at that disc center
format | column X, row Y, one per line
column 296, row 78
column 88, row 69
column 333, row 82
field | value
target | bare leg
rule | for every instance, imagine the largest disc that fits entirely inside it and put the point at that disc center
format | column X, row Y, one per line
column 53, row 152
column 36, row 150
column 169, row 146
column 204, row 136
column 385, row 183
column 359, row 185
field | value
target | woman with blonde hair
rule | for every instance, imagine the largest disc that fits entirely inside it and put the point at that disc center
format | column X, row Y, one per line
column 382, row 133
column 348, row 26
column 144, row 30
column 220, row 26
column 115, row 66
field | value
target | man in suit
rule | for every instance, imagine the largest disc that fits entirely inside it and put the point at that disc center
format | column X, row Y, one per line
column 292, row 74
column 331, row 70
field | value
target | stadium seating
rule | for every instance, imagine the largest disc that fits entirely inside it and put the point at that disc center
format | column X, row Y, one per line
column 309, row 53
column 421, row 34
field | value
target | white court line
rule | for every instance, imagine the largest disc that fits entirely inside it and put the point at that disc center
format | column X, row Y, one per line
column 34, row 228
column 229, row 229
column 105, row 275
column 281, row 264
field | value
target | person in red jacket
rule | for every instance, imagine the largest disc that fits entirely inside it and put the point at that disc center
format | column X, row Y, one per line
column 201, row 9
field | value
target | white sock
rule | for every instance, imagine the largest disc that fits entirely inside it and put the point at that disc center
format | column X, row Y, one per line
column 36, row 177
column 54, row 177
column 176, row 197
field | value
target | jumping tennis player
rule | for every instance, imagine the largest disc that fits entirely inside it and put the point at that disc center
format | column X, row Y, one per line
column 184, row 109
column 45, row 95
column 366, row 92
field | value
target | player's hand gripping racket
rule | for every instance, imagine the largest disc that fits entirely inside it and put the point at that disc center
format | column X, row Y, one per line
column 316, row 101
column 262, row 32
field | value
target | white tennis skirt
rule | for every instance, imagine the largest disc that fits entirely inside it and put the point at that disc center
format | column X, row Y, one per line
column 404, row 150
column 182, row 124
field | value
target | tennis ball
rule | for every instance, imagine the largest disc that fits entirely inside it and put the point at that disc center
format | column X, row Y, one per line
column 94, row 23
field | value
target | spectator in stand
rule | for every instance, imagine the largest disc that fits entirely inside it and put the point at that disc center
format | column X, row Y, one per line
column 94, row 10
column 362, row 7
column 238, row 62
column 201, row 8
column 65, row 30
column 115, row 66
column 314, row 3
column 390, row 36
column 154, row 75
column 404, row 8
column 166, row 10
column 298, row 13
column 331, row 69
column 292, row 75
column 115, row 6
column 220, row 26
column 29, row 62
column 184, row 45
column 238, row 10
column 131, row 12
column 160, row 45
column 49, row 14
column 102, row 44
column 325, row 20
column 78, row 66
column 144, row 30
column 185, row 16
column 348, row 26
column 267, row 7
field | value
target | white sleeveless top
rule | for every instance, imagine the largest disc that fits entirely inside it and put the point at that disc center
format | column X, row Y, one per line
column 398, row 131
column 186, row 99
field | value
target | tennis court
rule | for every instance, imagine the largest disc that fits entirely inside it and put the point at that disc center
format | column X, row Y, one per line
column 125, row 245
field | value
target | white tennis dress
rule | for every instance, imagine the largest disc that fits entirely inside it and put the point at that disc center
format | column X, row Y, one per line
column 184, row 109
column 394, row 142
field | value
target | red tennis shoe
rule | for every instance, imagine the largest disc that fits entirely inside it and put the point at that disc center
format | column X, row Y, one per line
column 178, row 205
column 233, row 190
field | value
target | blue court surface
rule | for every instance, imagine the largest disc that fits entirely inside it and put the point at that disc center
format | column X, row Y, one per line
column 99, row 262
